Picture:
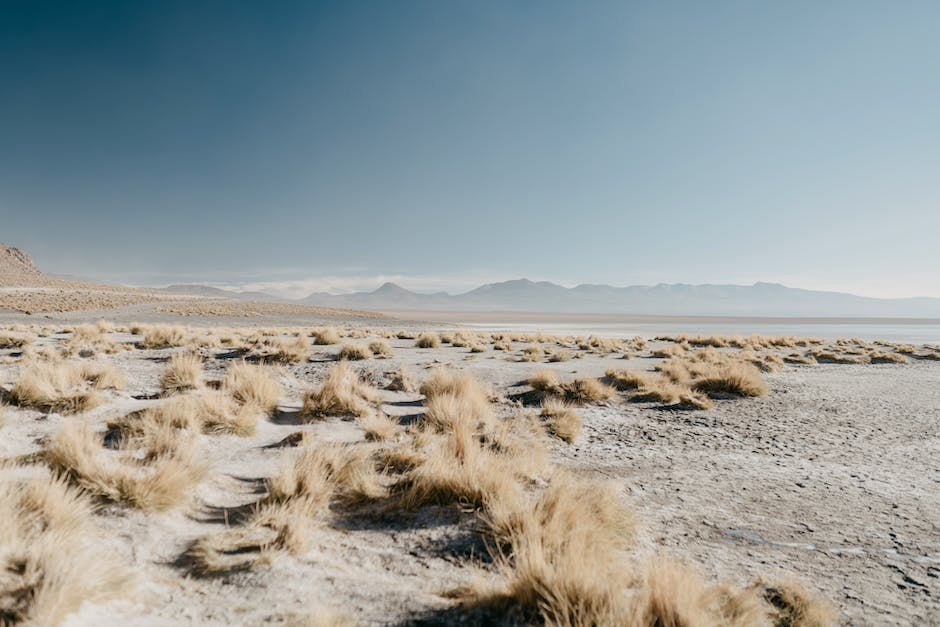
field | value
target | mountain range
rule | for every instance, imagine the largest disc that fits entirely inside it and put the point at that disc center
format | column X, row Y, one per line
column 521, row 295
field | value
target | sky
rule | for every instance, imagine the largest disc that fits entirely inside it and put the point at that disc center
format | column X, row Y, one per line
column 306, row 146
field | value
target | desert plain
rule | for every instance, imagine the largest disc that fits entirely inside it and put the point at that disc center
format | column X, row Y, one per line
column 204, row 463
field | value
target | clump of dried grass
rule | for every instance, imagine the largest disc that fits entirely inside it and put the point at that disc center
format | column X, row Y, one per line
column 740, row 379
column 343, row 393
column 13, row 340
column 885, row 357
column 795, row 606
column 88, row 339
column 207, row 412
column 560, row 555
column 578, row 391
column 163, row 477
column 250, row 384
column 583, row 391
column 428, row 340
column 282, row 351
column 297, row 501
column 532, row 353
column 380, row 348
column 325, row 336
column 64, row 387
column 183, row 373
column 354, row 352
column 51, row 560
column 161, row 336
column 379, row 427
column 545, row 381
column 401, row 381
column 561, row 419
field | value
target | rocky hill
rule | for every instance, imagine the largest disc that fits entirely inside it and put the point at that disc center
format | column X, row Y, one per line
column 14, row 262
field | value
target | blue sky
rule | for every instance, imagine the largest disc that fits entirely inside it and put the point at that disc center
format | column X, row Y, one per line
column 301, row 145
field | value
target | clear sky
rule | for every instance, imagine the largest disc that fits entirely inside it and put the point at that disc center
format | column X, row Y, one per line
column 303, row 145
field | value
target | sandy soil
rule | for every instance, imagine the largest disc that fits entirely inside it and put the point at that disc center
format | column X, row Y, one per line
column 833, row 480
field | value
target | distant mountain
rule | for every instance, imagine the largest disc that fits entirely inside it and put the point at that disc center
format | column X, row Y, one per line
column 207, row 291
column 15, row 262
column 759, row 299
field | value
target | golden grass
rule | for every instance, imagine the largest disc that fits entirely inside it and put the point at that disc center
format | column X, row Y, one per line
column 454, row 469
column 739, row 379
column 325, row 336
column 558, row 555
column 343, row 393
column 64, row 387
column 401, row 381
column 183, row 373
column 532, row 353
column 578, row 391
column 428, row 340
column 163, row 478
column 282, row 351
column 561, row 419
column 354, row 352
column 12, row 340
column 379, row 427
column 584, row 391
column 446, row 381
column 795, row 606
column 297, row 501
column 825, row 356
column 207, row 412
column 163, row 336
column 250, row 384
column 89, row 339
column 51, row 556
column 671, row 594
column 380, row 348
column 885, row 357
column 545, row 381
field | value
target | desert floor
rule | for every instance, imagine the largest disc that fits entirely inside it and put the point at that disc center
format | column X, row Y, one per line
column 832, row 480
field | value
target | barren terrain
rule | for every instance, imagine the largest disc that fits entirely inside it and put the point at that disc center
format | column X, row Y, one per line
column 829, row 479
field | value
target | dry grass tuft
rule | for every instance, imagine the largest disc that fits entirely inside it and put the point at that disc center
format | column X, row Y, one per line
column 325, row 336
column 49, row 559
column 428, row 340
column 671, row 594
column 250, row 384
column 64, row 387
column 342, row 394
column 12, row 340
column 446, row 381
column 562, row 421
column 379, row 427
column 162, row 336
column 183, row 373
column 401, row 381
column 532, row 353
column 297, row 501
column 545, row 381
column 162, row 478
column 380, row 348
column 583, row 391
column 795, row 606
column 280, row 350
column 885, row 357
column 739, row 379
column 559, row 555
column 354, row 352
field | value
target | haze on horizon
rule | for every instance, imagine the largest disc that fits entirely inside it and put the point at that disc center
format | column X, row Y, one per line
column 308, row 146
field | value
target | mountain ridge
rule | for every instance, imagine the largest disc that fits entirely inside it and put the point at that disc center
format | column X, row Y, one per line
column 761, row 298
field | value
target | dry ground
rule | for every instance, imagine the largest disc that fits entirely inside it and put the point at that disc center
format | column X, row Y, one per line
column 830, row 479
